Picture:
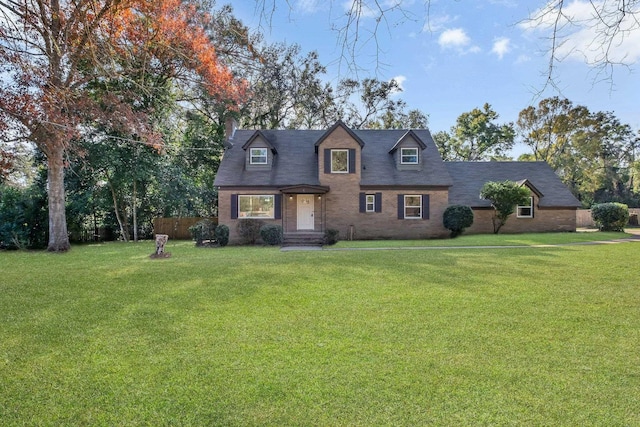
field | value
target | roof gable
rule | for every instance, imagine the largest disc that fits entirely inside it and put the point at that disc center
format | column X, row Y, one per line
column 259, row 134
column 403, row 138
column 339, row 124
column 530, row 186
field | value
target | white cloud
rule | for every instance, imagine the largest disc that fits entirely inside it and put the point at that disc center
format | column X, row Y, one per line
column 581, row 30
column 457, row 39
column 501, row 47
column 522, row 59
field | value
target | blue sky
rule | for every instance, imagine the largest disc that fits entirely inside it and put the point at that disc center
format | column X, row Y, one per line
column 451, row 56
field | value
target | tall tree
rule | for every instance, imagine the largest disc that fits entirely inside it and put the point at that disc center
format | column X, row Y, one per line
column 286, row 90
column 52, row 51
column 476, row 136
column 373, row 104
column 549, row 128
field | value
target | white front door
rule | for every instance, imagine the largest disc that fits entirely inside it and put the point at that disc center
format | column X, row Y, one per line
column 305, row 212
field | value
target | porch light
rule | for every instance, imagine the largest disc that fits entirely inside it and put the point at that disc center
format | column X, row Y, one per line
column 319, row 197
column 290, row 197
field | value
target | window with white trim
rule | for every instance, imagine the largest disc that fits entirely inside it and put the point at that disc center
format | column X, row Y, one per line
column 256, row 206
column 339, row 161
column 409, row 156
column 525, row 211
column 413, row 207
column 370, row 203
column 258, row 156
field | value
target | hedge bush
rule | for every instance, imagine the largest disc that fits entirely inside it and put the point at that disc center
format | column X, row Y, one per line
column 271, row 234
column 457, row 218
column 610, row 216
column 249, row 230
column 331, row 236
column 203, row 231
column 222, row 234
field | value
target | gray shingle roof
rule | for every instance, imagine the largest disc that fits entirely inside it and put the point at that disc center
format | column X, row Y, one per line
column 469, row 177
column 296, row 162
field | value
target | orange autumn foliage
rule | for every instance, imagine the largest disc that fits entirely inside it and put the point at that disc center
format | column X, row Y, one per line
column 69, row 67
column 173, row 33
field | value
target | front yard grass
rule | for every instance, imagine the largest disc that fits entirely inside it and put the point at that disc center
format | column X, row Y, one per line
column 527, row 239
column 243, row 336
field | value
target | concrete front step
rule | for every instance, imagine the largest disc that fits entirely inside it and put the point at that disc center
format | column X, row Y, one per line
column 303, row 239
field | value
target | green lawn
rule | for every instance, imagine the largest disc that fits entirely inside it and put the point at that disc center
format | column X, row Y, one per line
column 238, row 336
column 528, row 239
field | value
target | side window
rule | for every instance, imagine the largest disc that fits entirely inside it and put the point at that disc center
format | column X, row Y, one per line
column 413, row 207
column 258, row 156
column 409, row 156
column 339, row 161
column 370, row 203
column 525, row 211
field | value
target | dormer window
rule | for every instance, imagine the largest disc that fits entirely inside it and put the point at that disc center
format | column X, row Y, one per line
column 339, row 161
column 409, row 156
column 258, row 156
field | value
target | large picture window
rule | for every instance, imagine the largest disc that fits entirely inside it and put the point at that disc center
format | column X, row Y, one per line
column 256, row 206
column 258, row 156
column 525, row 211
column 339, row 161
column 409, row 156
column 413, row 207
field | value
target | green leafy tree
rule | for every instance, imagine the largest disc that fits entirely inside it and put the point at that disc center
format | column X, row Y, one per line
column 504, row 197
column 476, row 136
column 371, row 104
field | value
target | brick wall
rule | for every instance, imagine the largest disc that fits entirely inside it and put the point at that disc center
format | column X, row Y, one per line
column 544, row 220
column 224, row 210
column 386, row 225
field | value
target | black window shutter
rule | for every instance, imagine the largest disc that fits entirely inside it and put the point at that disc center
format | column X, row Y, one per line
column 363, row 202
column 277, row 206
column 400, row 206
column 327, row 160
column 234, row 206
column 378, row 202
column 425, row 206
column 352, row 160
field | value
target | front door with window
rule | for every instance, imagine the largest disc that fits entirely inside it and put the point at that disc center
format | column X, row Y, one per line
column 305, row 212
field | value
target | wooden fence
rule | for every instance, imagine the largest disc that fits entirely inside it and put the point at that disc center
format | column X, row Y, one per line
column 583, row 217
column 176, row 228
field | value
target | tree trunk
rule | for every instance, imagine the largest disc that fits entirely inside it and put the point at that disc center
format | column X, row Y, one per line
column 116, row 210
column 497, row 224
column 58, row 236
column 135, row 214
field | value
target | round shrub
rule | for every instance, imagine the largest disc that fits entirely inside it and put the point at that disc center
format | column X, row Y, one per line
column 457, row 218
column 271, row 234
column 249, row 230
column 203, row 232
column 610, row 216
column 222, row 234
column 331, row 236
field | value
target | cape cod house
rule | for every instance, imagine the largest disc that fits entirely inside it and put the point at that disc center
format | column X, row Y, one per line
column 372, row 184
